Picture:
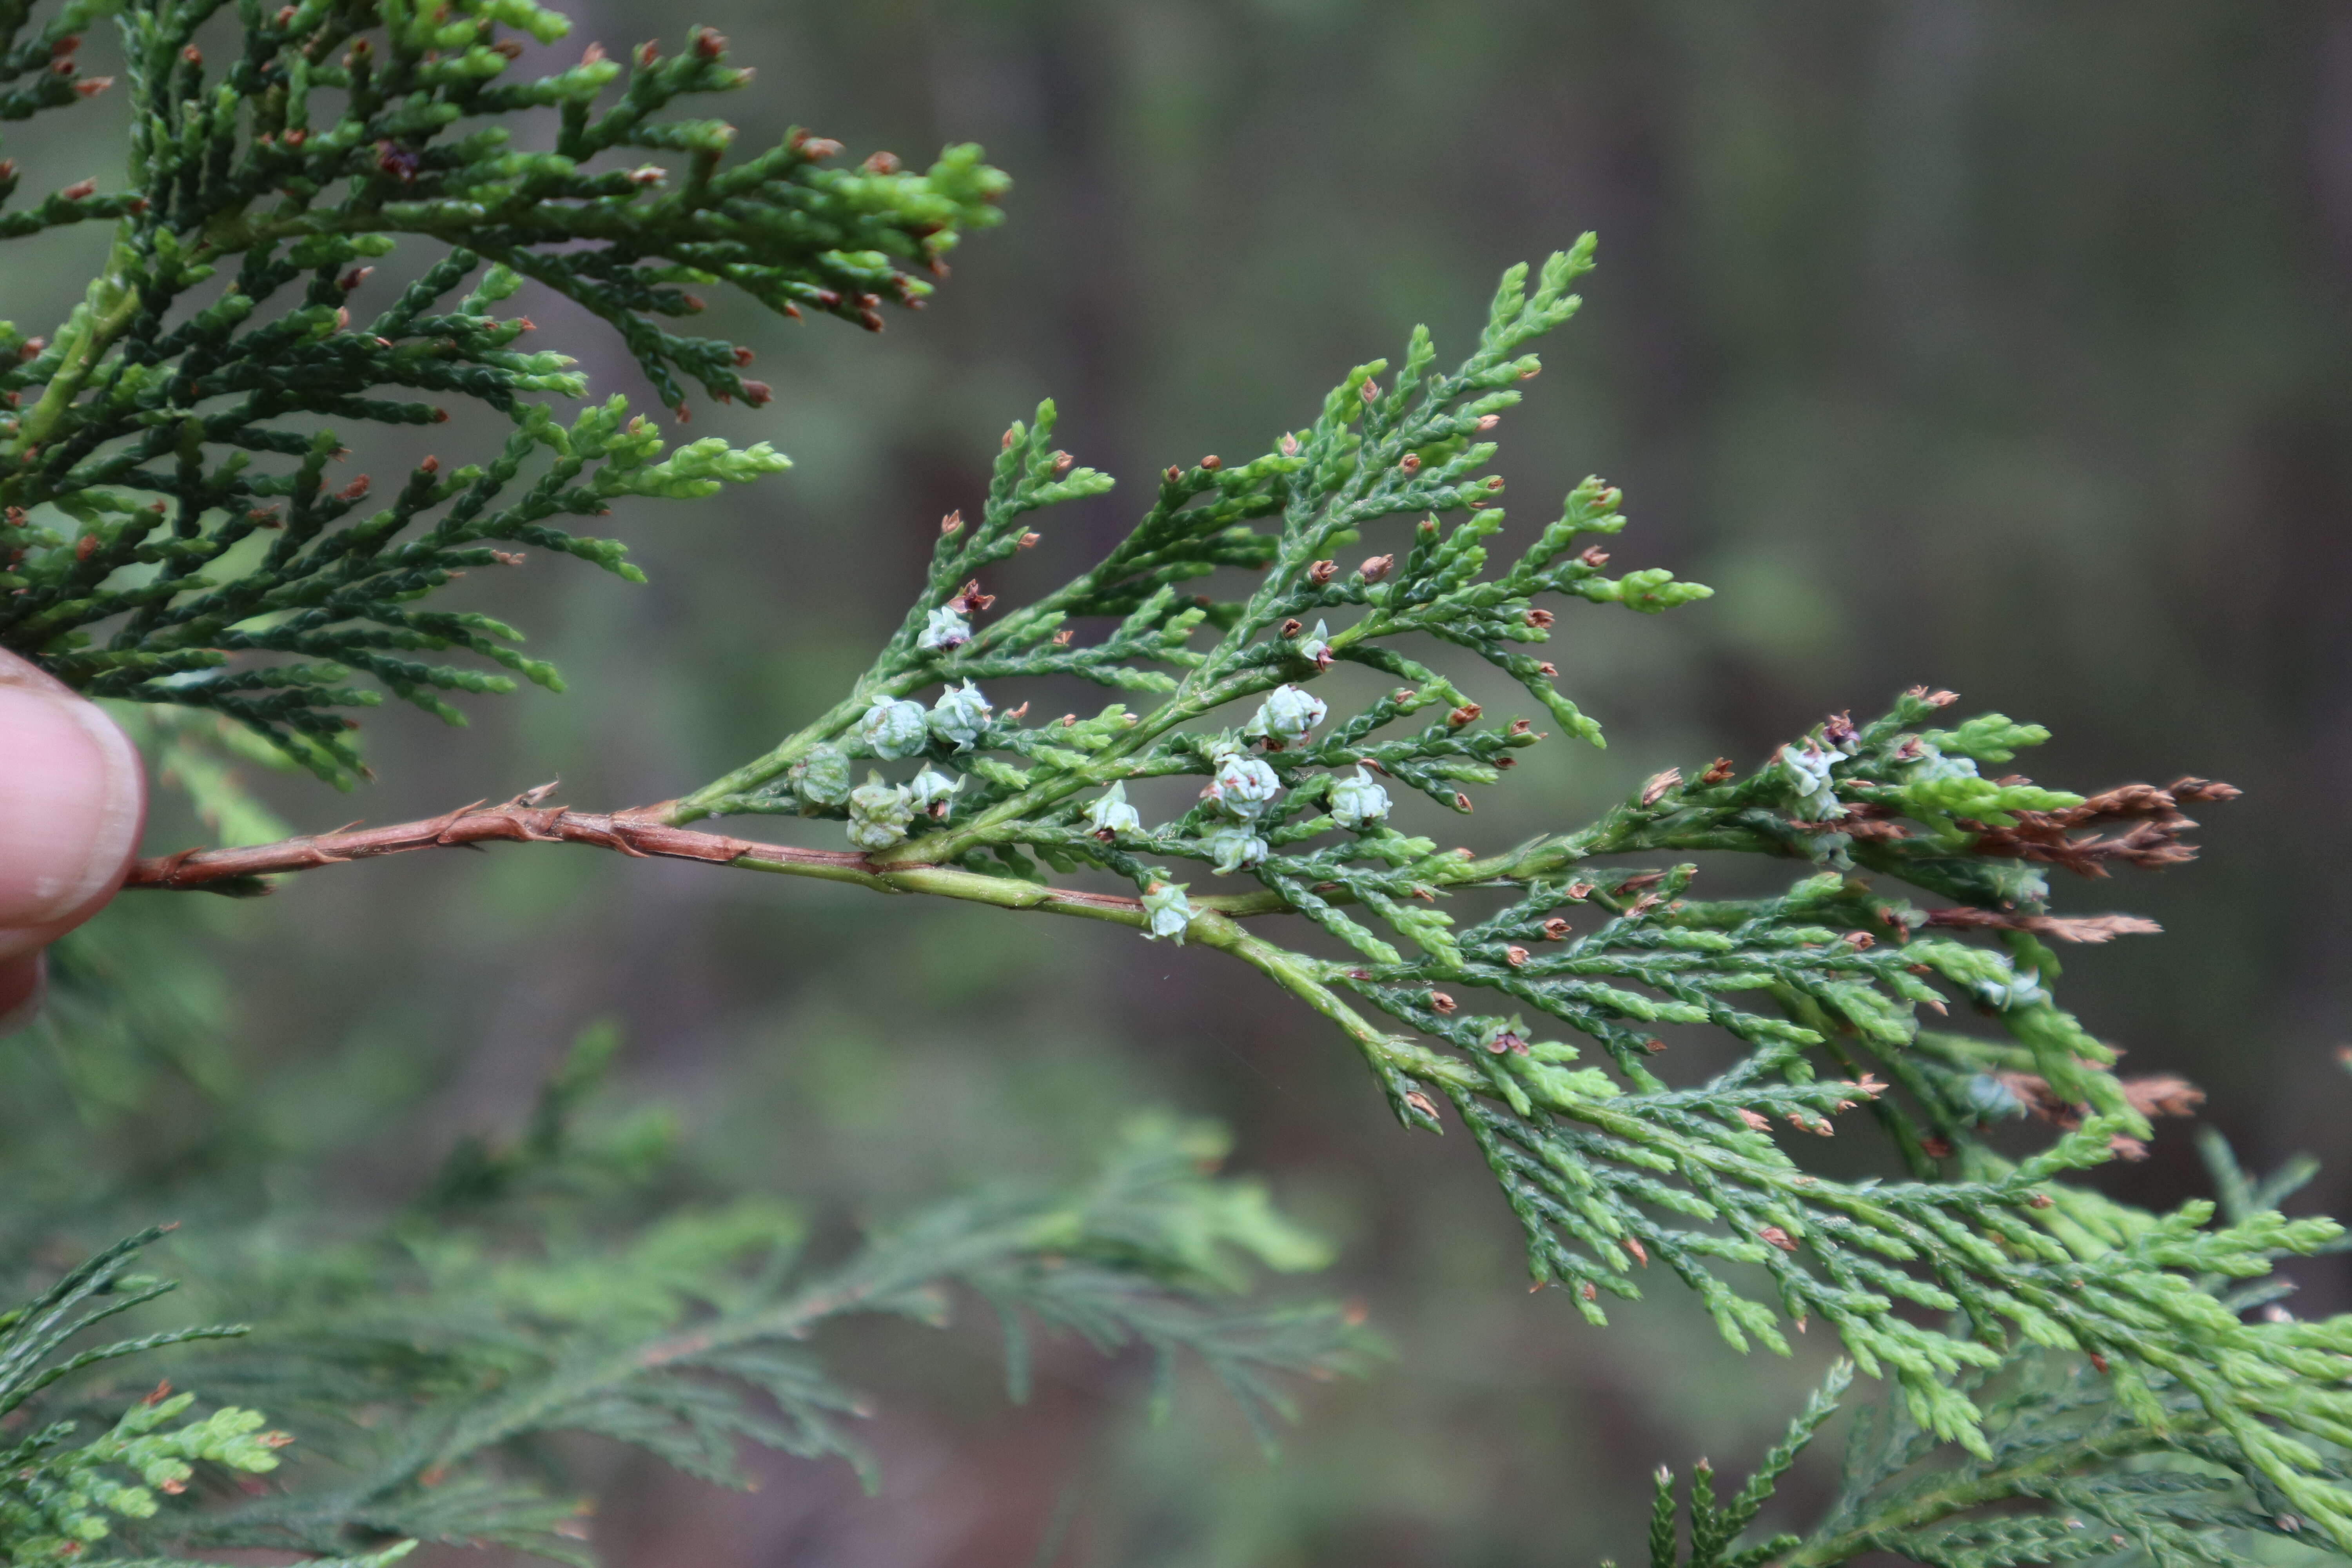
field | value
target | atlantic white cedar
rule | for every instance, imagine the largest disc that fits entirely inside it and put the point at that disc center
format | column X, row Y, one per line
column 2080, row 1368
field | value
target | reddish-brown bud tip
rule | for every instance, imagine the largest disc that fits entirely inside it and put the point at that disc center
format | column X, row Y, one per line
column 758, row 393
column 1373, row 569
column 79, row 189
column 192, row 55
column 1441, row 1002
column 396, row 161
column 1211, row 462
column 431, row 464
column 708, row 43
column 881, row 164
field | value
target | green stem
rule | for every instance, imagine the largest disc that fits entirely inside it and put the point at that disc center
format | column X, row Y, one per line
column 764, row 769
column 104, row 315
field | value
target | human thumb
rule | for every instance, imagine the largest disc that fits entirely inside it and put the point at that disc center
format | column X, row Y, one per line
column 71, row 804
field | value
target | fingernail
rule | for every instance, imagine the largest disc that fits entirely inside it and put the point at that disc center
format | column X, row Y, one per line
column 71, row 804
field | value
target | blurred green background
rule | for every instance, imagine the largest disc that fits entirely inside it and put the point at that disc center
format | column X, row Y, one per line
column 1997, row 346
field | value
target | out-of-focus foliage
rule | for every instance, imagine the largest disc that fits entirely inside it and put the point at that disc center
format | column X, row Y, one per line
column 562, row 1282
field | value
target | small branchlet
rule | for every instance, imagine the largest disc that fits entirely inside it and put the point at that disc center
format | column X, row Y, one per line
column 162, row 424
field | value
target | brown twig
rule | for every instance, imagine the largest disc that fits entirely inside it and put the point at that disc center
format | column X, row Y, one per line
column 639, row 832
column 2059, row 928
column 515, row 822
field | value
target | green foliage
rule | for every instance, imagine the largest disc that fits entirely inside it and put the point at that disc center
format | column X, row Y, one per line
column 2071, row 1378
column 555, row 1284
column 2086, row 1466
column 172, row 533
column 1924, row 883
column 1715, row 1528
column 2074, row 1468
column 60, row 1499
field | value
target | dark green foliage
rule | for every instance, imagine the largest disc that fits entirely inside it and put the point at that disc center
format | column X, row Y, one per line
column 172, row 532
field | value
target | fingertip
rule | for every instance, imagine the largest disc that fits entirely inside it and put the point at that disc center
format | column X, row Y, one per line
column 72, row 801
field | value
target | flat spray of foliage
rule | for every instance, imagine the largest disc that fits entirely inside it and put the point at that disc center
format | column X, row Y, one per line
column 2071, row 1379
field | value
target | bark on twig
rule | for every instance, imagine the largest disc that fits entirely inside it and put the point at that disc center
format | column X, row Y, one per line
column 516, row 822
